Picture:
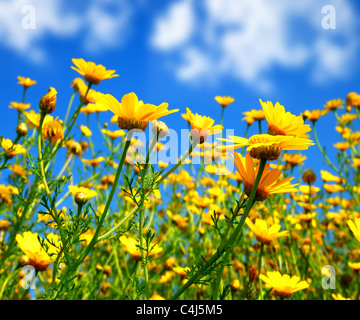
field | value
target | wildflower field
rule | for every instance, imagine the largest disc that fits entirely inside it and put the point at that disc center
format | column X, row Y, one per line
column 233, row 218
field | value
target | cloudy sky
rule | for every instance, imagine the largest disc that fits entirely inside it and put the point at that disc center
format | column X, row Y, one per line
column 185, row 52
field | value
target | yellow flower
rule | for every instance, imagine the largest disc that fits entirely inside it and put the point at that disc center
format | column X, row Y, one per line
column 92, row 72
column 26, row 82
column 92, row 107
column 314, row 115
column 264, row 234
column 334, row 104
column 30, row 245
column 327, row 176
column 90, row 193
column 253, row 115
column 342, row 146
column 156, row 296
column 355, row 227
column 132, row 113
column 114, row 134
column 19, row 106
column 265, row 146
column 338, row 296
column 6, row 193
column 202, row 126
column 85, row 131
column 283, row 286
column 132, row 247
column 33, row 119
column 293, row 160
column 269, row 182
column 224, row 101
column 11, row 149
column 283, row 123
column 93, row 162
column 53, row 131
column 354, row 265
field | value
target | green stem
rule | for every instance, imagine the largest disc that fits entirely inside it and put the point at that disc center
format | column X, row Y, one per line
column 259, row 268
column 94, row 240
column 69, row 106
column 228, row 245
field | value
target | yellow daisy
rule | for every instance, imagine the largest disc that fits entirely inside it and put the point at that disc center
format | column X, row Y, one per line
column 269, row 182
column 283, row 286
column 264, row 234
column 92, row 72
column 132, row 113
column 266, row 146
column 283, row 123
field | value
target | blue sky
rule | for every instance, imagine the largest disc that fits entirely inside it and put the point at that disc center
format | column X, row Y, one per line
column 185, row 52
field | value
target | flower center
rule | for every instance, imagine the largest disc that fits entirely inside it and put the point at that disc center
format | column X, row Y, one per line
column 129, row 124
column 275, row 131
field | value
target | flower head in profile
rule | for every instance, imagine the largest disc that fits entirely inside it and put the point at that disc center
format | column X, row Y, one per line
column 314, row 115
column 30, row 245
column 93, row 73
column 89, row 192
column 283, row 123
column 33, row 119
column 264, row 234
column 269, row 182
column 253, row 115
column 53, row 131
column 266, row 146
column 334, row 104
column 19, row 106
column 355, row 227
column 26, row 82
column 283, row 285
column 11, row 149
column 224, row 101
column 133, row 113
column 93, row 162
column 132, row 247
column 202, row 126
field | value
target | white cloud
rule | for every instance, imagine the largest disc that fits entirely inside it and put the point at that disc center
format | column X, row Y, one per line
column 98, row 24
column 247, row 39
column 176, row 27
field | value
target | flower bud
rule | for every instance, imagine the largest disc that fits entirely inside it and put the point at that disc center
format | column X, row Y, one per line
column 21, row 129
column 47, row 103
column 4, row 225
column 309, row 176
column 81, row 198
column 253, row 274
column 160, row 129
column 24, row 260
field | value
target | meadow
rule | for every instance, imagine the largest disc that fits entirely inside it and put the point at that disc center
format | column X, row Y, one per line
column 233, row 218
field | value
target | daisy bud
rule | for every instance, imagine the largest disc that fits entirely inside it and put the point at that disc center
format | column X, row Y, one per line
column 21, row 129
column 309, row 176
column 160, row 129
column 81, row 198
column 253, row 274
column 24, row 260
column 47, row 103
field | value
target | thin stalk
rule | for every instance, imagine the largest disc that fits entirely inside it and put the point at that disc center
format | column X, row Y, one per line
column 259, row 268
column 94, row 239
column 228, row 245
